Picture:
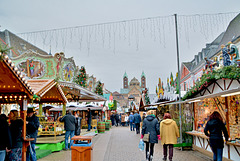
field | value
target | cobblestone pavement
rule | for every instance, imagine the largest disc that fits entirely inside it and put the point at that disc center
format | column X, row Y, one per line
column 121, row 144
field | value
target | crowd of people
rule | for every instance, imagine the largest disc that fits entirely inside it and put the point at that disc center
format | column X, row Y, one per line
column 11, row 141
column 167, row 131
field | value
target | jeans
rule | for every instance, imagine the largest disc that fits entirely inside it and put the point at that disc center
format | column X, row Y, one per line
column 89, row 127
column 217, row 154
column 151, row 149
column 137, row 128
column 131, row 126
column 15, row 154
column 170, row 146
column 71, row 133
column 2, row 155
column 31, row 153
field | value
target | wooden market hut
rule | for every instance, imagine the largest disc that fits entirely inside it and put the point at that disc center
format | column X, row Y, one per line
column 14, row 89
column 48, row 91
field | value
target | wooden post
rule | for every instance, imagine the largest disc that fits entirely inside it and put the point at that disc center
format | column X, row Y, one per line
column 64, row 109
column 40, row 109
column 23, row 114
column 227, row 116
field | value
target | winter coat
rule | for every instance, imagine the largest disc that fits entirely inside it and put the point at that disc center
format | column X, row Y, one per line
column 117, row 118
column 169, row 131
column 32, row 127
column 89, row 117
column 69, row 122
column 151, row 126
column 78, row 126
column 215, row 127
column 137, row 118
column 5, row 135
column 16, row 133
column 131, row 118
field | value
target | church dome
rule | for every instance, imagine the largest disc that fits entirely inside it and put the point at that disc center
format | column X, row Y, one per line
column 134, row 82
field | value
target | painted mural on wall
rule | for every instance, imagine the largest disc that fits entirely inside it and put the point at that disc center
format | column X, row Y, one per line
column 36, row 66
column 68, row 72
column 32, row 68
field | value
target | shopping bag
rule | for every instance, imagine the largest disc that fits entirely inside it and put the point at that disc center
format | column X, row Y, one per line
column 141, row 145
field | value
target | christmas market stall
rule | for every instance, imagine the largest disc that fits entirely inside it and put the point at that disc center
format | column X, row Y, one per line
column 14, row 89
column 48, row 91
column 76, row 93
column 217, row 90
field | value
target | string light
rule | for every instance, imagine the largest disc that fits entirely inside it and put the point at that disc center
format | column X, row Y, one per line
column 132, row 31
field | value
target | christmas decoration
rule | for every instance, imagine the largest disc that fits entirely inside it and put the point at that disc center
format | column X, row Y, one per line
column 99, row 89
column 81, row 78
column 227, row 72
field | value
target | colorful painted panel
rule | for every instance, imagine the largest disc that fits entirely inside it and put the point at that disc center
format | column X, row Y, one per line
column 68, row 72
column 32, row 68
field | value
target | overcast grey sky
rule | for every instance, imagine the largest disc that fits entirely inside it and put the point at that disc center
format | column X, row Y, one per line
column 109, row 63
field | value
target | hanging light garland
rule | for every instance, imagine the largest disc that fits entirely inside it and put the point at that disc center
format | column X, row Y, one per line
column 131, row 31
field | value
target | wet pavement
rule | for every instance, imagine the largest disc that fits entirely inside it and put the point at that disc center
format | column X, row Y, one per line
column 121, row 144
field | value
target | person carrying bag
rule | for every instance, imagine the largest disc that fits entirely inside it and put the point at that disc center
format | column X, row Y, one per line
column 150, row 134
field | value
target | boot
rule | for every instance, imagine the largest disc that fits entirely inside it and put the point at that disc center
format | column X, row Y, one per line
column 150, row 158
column 164, row 159
column 147, row 157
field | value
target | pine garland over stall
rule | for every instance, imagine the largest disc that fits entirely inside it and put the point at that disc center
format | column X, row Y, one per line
column 227, row 72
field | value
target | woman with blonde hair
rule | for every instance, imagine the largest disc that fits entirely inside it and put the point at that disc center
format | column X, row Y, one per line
column 169, row 133
column 16, row 133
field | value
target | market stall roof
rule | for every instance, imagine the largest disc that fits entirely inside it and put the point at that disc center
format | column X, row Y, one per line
column 13, row 87
column 92, row 107
column 75, row 92
column 60, row 109
column 48, row 90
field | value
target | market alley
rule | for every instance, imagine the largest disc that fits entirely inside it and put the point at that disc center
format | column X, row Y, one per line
column 121, row 144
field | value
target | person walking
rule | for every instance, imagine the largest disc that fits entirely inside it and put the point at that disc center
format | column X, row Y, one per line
column 137, row 120
column 77, row 125
column 126, row 120
column 151, row 127
column 169, row 133
column 214, row 129
column 116, row 119
column 5, row 137
column 131, row 118
column 32, row 125
column 112, row 118
column 89, row 119
column 69, row 125
column 16, row 135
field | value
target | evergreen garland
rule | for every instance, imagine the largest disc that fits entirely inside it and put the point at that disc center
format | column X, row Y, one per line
column 227, row 72
column 99, row 89
column 81, row 78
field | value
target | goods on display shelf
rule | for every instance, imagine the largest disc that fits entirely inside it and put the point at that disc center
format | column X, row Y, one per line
column 203, row 110
column 187, row 121
column 49, row 127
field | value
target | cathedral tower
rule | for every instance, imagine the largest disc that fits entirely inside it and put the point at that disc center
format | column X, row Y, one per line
column 125, row 80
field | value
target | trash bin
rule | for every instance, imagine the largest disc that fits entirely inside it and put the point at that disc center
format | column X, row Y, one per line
column 82, row 152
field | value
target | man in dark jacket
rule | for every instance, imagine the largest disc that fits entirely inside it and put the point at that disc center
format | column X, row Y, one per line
column 32, row 122
column 69, row 125
column 137, row 120
column 89, row 117
column 5, row 136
